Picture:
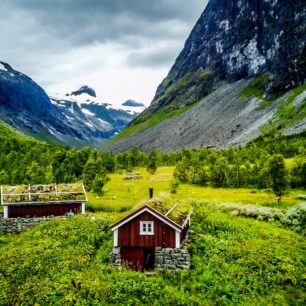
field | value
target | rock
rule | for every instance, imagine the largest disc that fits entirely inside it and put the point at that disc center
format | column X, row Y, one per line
column 232, row 43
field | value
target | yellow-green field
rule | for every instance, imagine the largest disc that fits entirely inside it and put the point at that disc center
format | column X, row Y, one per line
column 122, row 195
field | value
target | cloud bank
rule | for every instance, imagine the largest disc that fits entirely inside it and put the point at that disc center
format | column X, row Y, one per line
column 123, row 48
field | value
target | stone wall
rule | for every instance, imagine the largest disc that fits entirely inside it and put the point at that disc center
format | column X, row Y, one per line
column 18, row 225
column 173, row 259
column 115, row 257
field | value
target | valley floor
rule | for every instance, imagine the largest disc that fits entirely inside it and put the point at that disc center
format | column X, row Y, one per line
column 122, row 195
column 235, row 259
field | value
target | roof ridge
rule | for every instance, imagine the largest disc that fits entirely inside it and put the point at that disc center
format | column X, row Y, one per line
column 171, row 209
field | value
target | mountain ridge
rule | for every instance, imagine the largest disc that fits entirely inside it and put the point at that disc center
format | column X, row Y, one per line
column 259, row 41
column 76, row 120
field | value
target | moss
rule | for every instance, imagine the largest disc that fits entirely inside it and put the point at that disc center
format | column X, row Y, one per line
column 255, row 88
column 180, row 213
column 43, row 193
column 205, row 74
column 286, row 113
column 166, row 82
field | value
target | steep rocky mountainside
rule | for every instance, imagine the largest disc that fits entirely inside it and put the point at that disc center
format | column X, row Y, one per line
column 261, row 42
column 74, row 120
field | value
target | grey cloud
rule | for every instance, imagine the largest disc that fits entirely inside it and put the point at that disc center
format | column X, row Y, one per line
column 157, row 57
column 37, row 36
column 88, row 21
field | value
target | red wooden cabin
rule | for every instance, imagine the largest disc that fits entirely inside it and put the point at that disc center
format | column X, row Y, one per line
column 42, row 200
column 139, row 233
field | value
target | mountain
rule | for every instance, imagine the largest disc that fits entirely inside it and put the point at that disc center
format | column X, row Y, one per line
column 84, row 89
column 240, row 74
column 97, row 121
column 76, row 120
column 133, row 103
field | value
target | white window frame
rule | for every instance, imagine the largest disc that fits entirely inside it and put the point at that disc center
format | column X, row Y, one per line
column 146, row 223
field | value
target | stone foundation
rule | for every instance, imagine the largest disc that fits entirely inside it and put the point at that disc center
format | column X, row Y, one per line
column 115, row 257
column 18, row 225
column 173, row 259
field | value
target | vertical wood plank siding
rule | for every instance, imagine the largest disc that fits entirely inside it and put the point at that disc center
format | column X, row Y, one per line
column 42, row 210
column 129, row 234
column 184, row 232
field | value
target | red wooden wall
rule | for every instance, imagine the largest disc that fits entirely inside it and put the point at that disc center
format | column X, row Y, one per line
column 42, row 210
column 132, row 258
column 129, row 233
column 184, row 231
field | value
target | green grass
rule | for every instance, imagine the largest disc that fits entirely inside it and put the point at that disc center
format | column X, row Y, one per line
column 8, row 131
column 287, row 114
column 255, row 88
column 123, row 195
column 234, row 261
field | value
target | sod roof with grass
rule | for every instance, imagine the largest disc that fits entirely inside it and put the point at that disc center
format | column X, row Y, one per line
column 42, row 194
column 177, row 211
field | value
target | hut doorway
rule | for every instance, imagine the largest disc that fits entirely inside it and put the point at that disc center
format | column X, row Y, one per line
column 138, row 259
column 149, row 258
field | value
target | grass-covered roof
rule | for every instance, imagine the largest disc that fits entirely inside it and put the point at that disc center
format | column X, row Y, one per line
column 42, row 193
column 175, row 210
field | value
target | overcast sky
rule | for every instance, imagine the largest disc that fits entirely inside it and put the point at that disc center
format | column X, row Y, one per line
column 121, row 48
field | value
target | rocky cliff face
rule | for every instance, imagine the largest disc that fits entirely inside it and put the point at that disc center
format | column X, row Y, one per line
column 74, row 120
column 240, row 73
column 234, row 40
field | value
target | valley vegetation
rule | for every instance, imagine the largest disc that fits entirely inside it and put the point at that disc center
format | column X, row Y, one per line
column 238, row 228
column 24, row 161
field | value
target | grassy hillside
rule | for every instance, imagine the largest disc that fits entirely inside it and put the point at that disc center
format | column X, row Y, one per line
column 7, row 131
column 234, row 261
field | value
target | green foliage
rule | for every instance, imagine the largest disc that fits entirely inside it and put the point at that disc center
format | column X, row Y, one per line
column 152, row 163
column 256, row 88
column 287, row 113
column 174, row 186
column 243, row 167
column 279, row 175
column 98, row 184
column 219, row 173
column 235, row 261
column 298, row 172
column 166, row 82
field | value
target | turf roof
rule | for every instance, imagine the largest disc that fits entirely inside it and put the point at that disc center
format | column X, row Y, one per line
column 175, row 210
column 43, row 193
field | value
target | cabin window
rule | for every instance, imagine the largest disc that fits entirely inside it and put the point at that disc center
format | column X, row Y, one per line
column 146, row 228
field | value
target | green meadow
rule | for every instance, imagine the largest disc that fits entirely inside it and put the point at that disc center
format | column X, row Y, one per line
column 123, row 195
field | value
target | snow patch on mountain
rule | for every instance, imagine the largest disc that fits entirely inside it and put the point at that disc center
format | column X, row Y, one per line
column 87, row 112
column 2, row 67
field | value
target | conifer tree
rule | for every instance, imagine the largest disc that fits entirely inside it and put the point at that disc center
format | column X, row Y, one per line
column 279, row 175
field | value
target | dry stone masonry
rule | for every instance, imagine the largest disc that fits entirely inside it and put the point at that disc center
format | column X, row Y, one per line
column 18, row 225
column 165, row 258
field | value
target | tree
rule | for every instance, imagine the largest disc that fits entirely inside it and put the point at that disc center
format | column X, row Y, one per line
column 298, row 173
column 134, row 156
column 181, row 171
column 152, row 163
column 36, row 174
column 4, row 178
column 279, row 175
column 89, row 174
column 219, row 172
column 98, row 184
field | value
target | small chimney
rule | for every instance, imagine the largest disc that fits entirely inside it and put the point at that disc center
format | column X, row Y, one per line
column 151, row 192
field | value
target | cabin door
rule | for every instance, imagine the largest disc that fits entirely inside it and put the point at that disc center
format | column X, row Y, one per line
column 132, row 258
column 148, row 258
